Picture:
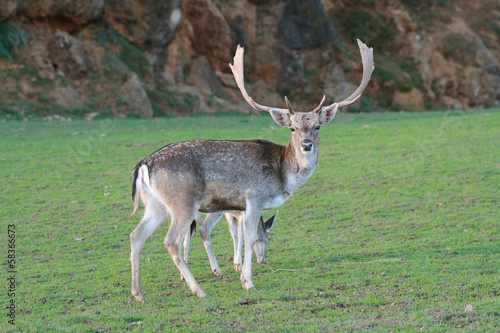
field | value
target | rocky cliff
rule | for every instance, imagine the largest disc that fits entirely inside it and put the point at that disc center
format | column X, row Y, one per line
column 150, row 58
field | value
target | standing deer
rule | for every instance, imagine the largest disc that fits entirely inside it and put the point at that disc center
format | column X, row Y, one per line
column 236, row 230
column 181, row 179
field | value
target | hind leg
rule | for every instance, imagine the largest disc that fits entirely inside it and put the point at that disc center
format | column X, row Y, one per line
column 154, row 216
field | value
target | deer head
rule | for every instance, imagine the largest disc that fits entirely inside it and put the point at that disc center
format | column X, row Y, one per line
column 262, row 242
column 305, row 125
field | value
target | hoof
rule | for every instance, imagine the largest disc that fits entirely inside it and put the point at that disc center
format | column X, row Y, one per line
column 248, row 285
column 218, row 272
column 202, row 294
column 139, row 297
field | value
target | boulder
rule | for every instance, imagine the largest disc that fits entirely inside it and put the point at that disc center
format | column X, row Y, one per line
column 67, row 96
column 337, row 87
column 79, row 12
column 7, row 9
column 41, row 59
column 136, row 96
column 413, row 100
column 68, row 55
column 202, row 76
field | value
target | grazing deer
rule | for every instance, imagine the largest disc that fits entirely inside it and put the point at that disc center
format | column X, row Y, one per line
column 181, row 179
column 236, row 230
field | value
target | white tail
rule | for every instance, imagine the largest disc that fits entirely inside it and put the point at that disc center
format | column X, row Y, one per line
column 182, row 179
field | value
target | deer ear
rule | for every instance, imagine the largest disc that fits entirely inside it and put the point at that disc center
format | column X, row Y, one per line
column 269, row 224
column 281, row 118
column 326, row 114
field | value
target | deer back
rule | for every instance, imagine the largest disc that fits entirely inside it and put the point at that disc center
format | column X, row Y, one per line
column 217, row 174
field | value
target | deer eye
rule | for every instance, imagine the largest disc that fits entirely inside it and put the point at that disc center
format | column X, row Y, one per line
column 292, row 129
column 318, row 127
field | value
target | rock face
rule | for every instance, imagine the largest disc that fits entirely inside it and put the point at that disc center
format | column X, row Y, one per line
column 172, row 56
column 151, row 25
column 458, row 70
column 207, row 32
column 304, row 25
column 307, row 38
column 71, row 14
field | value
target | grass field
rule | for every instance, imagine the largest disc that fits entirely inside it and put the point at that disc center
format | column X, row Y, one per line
column 397, row 229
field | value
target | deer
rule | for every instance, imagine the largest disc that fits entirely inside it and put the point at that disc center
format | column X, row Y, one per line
column 181, row 179
column 236, row 230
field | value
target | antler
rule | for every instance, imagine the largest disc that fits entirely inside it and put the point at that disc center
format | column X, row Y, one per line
column 289, row 106
column 320, row 104
column 237, row 70
column 368, row 67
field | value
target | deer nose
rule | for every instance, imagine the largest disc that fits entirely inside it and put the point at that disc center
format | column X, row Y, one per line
column 307, row 145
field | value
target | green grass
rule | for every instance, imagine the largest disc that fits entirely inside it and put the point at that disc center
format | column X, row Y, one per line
column 421, row 187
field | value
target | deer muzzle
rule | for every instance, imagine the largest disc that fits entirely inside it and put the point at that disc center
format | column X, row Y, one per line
column 306, row 145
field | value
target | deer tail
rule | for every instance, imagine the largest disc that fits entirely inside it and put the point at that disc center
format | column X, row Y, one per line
column 141, row 182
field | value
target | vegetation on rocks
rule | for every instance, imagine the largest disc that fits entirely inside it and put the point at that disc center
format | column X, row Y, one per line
column 163, row 58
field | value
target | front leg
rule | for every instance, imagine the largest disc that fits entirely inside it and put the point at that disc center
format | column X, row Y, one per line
column 236, row 230
column 187, row 242
column 205, row 230
column 250, row 224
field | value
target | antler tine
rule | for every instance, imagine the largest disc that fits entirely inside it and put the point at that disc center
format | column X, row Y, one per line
column 237, row 70
column 289, row 106
column 368, row 67
column 320, row 104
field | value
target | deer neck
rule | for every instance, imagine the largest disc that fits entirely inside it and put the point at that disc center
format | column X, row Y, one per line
column 298, row 166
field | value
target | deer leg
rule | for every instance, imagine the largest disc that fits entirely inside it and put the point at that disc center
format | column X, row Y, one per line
column 233, row 229
column 238, row 243
column 154, row 216
column 176, row 232
column 205, row 230
column 251, row 220
column 187, row 242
